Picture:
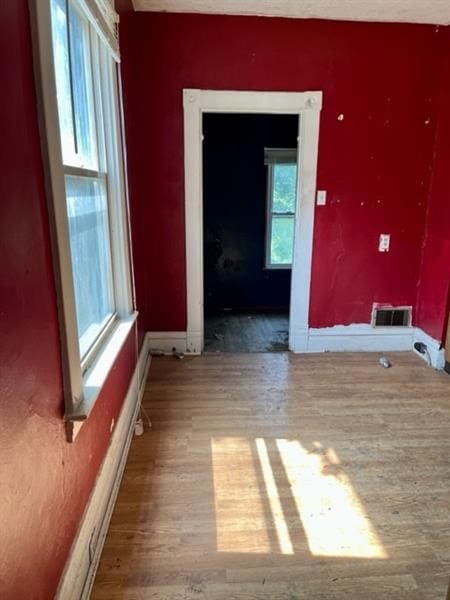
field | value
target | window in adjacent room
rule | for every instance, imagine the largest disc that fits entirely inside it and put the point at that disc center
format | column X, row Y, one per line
column 81, row 102
column 281, row 201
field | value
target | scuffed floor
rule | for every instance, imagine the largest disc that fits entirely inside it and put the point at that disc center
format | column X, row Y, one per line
column 247, row 332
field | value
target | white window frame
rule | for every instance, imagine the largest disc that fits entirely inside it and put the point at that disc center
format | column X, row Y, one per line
column 272, row 158
column 83, row 379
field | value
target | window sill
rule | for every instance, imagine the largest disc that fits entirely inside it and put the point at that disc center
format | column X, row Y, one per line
column 278, row 267
column 95, row 377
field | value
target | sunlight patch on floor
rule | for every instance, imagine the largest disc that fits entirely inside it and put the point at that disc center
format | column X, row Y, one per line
column 332, row 515
column 241, row 524
column 250, row 494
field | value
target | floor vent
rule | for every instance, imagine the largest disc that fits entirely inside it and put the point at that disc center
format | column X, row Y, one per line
column 392, row 317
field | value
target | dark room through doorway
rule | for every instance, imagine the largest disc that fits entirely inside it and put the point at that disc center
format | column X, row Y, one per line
column 249, row 201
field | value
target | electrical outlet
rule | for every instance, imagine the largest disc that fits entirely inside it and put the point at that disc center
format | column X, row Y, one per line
column 139, row 427
column 384, row 242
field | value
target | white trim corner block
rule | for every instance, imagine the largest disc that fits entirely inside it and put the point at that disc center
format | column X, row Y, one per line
column 299, row 340
column 307, row 106
column 81, row 567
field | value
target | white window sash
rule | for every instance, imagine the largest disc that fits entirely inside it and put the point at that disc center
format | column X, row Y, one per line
column 272, row 157
column 83, row 380
column 105, row 21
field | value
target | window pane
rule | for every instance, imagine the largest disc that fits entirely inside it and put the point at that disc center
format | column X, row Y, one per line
column 90, row 252
column 76, row 110
column 284, row 188
column 62, row 74
column 282, row 240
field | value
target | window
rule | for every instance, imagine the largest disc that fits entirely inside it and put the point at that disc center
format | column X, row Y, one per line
column 85, row 162
column 281, row 201
column 78, row 59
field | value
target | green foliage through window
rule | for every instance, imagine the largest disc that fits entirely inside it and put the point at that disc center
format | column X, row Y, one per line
column 282, row 213
column 284, row 180
column 282, row 240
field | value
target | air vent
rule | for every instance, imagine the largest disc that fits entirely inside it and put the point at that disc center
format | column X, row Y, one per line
column 392, row 317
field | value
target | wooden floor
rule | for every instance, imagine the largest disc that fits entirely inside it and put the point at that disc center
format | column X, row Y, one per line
column 281, row 477
column 247, row 332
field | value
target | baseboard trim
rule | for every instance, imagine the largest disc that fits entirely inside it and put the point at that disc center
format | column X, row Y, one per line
column 166, row 341
column 194, row 341
column 360, row 337
column 81, row 567
column 298, row 340
column 435, row 352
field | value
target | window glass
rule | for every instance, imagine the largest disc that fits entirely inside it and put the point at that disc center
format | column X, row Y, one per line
column 63, row 93
column 74, row 85
column 91, row 256
column 284, row 184
column 282, row 240
column 281, row 214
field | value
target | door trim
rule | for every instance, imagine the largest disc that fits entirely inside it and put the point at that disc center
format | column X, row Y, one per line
column 307, row 105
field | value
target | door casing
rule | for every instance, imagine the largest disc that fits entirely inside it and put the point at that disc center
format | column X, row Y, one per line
column 307, row 105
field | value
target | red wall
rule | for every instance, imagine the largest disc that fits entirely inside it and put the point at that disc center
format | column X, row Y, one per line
column 44, row 481
column 374, row 163
column 433, row 289
column 375, row 74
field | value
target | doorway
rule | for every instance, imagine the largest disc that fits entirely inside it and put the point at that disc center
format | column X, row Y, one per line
column 306, row 106
column 249, row 202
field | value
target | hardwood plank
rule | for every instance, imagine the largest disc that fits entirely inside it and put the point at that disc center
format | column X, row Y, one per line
column 281, row 477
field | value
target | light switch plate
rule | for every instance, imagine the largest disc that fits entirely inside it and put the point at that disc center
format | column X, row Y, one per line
column 384, row 242
column 321, row 197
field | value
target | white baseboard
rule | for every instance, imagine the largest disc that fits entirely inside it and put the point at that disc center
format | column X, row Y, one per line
column 167, row 341
column 298, row 340
column 79, row 573
column 435, row 352
column 194, row 342
column 360, row 337
column 143, row 366
column 340, row 338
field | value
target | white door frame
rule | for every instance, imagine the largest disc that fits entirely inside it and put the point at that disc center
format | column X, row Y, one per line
column 307, row 106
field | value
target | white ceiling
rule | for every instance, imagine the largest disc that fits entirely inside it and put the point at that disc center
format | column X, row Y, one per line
column 436, row 12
